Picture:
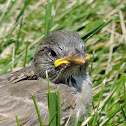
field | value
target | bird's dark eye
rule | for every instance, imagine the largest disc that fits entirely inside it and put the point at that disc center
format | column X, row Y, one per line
column 53, row 53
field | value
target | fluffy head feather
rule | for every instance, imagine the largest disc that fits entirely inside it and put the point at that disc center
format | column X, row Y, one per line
column 60, row 44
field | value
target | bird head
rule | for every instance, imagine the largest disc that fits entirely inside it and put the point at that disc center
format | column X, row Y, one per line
column 63, row 55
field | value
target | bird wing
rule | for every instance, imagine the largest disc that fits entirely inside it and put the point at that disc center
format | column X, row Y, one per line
column 26, row 73
column 16, row 99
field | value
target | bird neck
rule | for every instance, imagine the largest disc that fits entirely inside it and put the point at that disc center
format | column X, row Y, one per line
column 79, row 82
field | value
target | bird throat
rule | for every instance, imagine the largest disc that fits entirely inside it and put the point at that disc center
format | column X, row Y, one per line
column 72, row 76
column 75, row 81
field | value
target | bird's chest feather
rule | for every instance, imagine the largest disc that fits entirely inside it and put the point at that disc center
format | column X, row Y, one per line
column 79, row 82
column 83, row 84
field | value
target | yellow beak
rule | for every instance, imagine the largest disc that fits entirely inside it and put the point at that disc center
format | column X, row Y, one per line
column 79, row 60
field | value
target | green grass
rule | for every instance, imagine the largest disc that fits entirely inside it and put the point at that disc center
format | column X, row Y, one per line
column 17, row 121
column 54, row 109
column 37, row 110
column 22, row 26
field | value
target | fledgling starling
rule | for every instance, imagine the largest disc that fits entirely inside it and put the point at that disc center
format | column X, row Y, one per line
column 63, row 55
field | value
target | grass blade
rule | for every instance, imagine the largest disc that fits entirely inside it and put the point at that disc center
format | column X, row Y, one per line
column 48, row 17
column 17, row 121
column 7, row 12
column 97, row 29
column 51, row 98
column 113, row 114
column 58, row 110
column 37, row 110
column 53, row 106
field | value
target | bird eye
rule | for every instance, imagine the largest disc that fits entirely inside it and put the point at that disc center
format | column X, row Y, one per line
column 53, row 53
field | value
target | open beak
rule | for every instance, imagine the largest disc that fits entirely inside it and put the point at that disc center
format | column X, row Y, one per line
column 76, row 58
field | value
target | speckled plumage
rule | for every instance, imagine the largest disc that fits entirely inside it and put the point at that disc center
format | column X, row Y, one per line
column 74, row 83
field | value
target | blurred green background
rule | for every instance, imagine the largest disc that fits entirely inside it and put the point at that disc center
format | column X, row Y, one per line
column 22, row 27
